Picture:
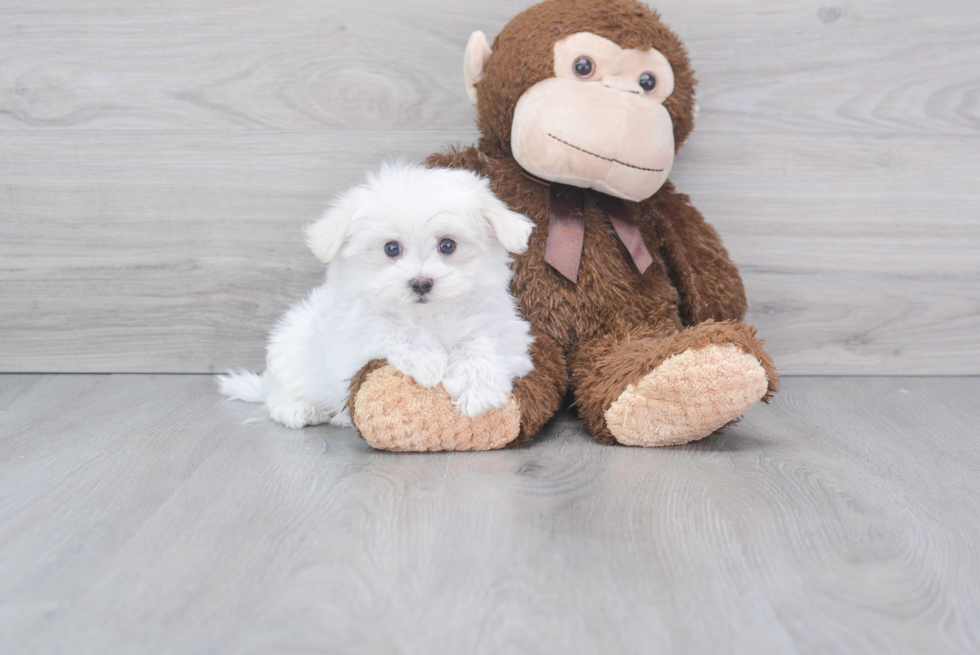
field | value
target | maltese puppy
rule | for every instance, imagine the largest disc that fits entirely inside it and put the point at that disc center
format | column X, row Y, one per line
column 418, row 270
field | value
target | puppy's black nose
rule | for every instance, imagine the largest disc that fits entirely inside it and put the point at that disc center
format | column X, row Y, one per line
column 421, row 285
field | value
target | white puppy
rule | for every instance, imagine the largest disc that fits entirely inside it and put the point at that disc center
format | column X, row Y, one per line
column 418, row 274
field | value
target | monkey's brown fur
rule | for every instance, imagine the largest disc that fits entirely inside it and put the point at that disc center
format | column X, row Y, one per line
column 614, row 326
column 523, row 55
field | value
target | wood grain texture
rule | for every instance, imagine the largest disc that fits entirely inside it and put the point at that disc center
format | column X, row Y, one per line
column 157, row 161
column 862, row 66
column 182, row 261
column 145, row 514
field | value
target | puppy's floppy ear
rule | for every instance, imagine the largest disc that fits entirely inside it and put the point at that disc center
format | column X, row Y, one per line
column 327, row 236
column 511, row 229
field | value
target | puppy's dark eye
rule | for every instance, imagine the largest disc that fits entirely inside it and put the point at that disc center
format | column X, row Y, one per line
column 393, row 249
column 447, row 246
column 583, row 67
column 647, row 82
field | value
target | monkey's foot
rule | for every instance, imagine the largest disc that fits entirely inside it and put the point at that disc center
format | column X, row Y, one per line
column 687, row 397
column 392, row 412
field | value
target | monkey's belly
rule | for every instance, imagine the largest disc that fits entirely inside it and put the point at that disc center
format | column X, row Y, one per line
column 610, row 295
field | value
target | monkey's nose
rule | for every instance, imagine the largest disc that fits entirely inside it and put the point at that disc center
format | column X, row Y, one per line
column 421, row 285
column 618, row 83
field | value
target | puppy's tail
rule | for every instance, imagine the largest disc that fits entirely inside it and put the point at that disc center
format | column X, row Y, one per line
column 243, row 385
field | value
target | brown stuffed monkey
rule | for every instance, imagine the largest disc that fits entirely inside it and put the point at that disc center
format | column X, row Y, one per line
column 634, row 303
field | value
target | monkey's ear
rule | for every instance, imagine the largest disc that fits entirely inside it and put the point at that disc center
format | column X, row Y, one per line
column 475, row 62
column 511, row 229
column 329, row 234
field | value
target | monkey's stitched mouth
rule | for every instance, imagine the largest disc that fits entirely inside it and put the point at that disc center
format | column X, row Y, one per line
column 615, row 161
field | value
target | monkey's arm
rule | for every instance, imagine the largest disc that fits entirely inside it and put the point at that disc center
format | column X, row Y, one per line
column 458, row 157
column 707, row 280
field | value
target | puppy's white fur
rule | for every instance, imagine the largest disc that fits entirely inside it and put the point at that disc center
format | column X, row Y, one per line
column 466, row 333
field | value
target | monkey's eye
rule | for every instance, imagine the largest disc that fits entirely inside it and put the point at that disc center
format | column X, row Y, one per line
column 393, row 249
column 647, row 81
column 583, row 67
column 447, row 246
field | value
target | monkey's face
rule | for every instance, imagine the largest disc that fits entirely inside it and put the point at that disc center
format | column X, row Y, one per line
column 593, row 93
column 600, row 122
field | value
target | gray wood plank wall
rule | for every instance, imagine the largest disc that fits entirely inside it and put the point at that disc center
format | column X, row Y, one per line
column 157, row 161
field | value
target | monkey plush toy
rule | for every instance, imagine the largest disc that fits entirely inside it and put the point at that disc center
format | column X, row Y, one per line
column 635, row 307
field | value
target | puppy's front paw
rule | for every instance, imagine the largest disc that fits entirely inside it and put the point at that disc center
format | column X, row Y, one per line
column 427, row 367
column 477, row 401
column 474, row 395
column 521, row 366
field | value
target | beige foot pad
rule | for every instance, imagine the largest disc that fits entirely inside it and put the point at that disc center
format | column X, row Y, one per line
column 392, row 412
column 687, row 397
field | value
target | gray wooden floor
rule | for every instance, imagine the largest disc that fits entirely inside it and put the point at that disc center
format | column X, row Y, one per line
column 145, row 514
